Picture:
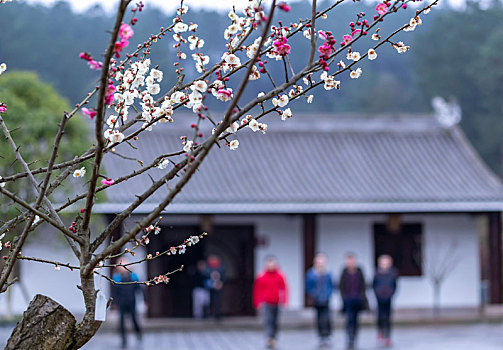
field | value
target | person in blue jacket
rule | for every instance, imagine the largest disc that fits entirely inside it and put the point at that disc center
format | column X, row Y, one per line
column 124, row 296
column 319, row 287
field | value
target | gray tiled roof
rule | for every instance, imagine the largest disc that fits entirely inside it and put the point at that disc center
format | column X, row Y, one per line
column 326, row 164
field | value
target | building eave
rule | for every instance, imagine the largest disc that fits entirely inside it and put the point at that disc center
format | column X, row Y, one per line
column 309, row 208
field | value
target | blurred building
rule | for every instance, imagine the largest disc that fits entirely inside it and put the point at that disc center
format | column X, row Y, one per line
column 406, row 185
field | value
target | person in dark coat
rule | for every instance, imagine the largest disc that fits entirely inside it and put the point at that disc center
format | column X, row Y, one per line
column 215, row 284
column 319, row 287
column 200, row 292
column 384, row 286
column 124, row 296
column 352, row 289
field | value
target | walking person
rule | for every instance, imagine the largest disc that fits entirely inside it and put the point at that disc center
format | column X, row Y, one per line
column 216, row 283
column 319, row 287
column 352, row 289
column 384, row 286
column 269, row 292
column 200, row 292
column 124, row 296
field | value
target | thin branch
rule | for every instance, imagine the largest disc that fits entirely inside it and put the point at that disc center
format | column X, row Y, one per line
column 313, row 34
column 100, row 117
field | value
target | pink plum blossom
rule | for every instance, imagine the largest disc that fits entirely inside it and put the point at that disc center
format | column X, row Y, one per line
column 95, row 65
column 325, row 50
column 3, row 107
column 282, row 48
column 346, row 39
column 107, row 182
column 381, row 8
column 322, row 34
column 125, row 31
column 109, row 94
column 119, row 45
column 91, row 113
column 284, row 6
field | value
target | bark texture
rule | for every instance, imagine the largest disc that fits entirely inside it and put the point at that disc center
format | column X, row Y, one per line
column 46, row 325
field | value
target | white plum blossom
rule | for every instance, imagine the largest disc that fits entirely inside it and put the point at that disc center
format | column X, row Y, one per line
column 232, row 15
column 287, row 113
column 116, row 136
column 2, row 184
column 199, row 85
column 3, row 68
column 163, row 164
column 156, row 74
column 413, row 23
column 193, row 240
column 201, row 61
column 310, row 98
column 282, row 101
column 178, row 97
column 254, row 125
column 233, row 145
column 195, row 101
column 188, row 146
column 372, row 54
column 330, row 82
column 111, row 121
column 255, row 74
column 182, row 10
column 180, row 27
column 79, row 172
column 233, row 128
column 128, row 98
column 230, row 61
column 355, row 56
column 355, row 74
column 401, row 47
column 233, row 28
column 154, row 89
column 375, row 36
column 251, row 50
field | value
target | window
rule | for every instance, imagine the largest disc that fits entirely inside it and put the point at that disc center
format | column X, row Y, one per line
column 404, row 245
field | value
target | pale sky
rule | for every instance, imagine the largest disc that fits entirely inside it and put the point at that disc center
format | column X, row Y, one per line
column 169, row 5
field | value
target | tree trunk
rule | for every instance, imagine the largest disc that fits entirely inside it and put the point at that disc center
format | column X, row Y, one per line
column 436, row 299
column 46, row 325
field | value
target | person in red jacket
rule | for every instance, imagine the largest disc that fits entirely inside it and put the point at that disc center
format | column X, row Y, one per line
column 270, row 291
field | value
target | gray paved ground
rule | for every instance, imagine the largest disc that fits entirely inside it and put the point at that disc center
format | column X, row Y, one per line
column 458, row 337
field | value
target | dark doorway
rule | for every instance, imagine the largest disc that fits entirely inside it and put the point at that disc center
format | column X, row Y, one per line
column 403, row 245
column 233, row 244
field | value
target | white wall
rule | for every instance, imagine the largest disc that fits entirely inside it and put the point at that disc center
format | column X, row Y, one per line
column 338, row 234
column 38, row 278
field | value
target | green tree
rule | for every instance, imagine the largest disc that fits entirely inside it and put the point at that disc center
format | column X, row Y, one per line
column 33, row 113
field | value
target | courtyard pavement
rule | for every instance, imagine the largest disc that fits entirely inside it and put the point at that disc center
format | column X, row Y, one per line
column 445, row 337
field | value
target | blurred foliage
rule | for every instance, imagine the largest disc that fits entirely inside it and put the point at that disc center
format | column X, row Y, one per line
column 462, row 60
column 454, row 54
column 34, row 110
